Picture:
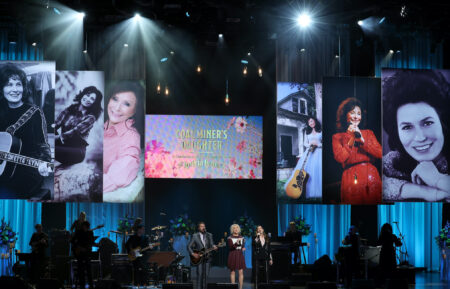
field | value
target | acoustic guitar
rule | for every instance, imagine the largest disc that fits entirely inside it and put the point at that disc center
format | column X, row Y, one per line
column 297, row 184
column 137, row 252
column 200, row 254
column 10, row 157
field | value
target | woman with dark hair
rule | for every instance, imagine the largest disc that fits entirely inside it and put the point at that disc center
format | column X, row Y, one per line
column 262, row 256
column 387, row 241
column 355, row 149
column 73, row 125
column 26, row 124
column 311, row 162
column 122, row 140
column 416, row 121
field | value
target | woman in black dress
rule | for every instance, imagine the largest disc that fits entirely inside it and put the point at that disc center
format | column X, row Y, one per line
column 262, row 255
column 387, row 240
column 236, row 260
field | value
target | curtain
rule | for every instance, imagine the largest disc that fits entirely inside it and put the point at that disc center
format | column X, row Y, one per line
column 107, row 214
column 329, row 225
column 419, row 223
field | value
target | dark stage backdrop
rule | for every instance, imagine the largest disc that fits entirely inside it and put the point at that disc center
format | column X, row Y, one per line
column 218, row 202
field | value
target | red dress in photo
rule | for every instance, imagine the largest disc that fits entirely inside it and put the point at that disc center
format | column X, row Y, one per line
column 361, row 182
column 236, row 260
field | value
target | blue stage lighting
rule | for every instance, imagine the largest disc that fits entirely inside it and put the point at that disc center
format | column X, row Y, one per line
column 243, row 61
column 381, row 20
column 56, row 10
column 304, row 20
column 164, row 59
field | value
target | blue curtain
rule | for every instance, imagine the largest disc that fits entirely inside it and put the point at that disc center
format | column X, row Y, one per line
column 104, row 213
column 329, row 225
column 419, row 223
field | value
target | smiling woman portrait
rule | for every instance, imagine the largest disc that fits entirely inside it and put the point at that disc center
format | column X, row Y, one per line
column 415, row 166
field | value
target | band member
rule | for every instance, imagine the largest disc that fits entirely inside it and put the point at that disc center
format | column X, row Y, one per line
column 355, row 149
column 76, row 226
column 351, row 256
column 25, row 122
column 236, row 260
column 136, row 241
column 262, row 256
column 138, row 221
column 38, row 243
column 73, row 125
column 83, row 241
column 199, row 241
column 295, row 238
column 388, row 240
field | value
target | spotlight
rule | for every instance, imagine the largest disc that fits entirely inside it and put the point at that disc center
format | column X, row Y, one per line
column 398, row 51
column 403, row 11
column 391, row 51
column 243, row 61
column 227, row 99
column 125, row 45
column 249, row 53
column 56, row 10
column 187, row 14
column 80, row 15
column 381, row 20
column 172, row 52
column 137, row 17
column 336, row 56
column 304, row 20
column 220, row 35
column 302, row 50
column 260, row 72
column 199, row 68
column 166, row 91
column 164, row 59
column 34, row 44
column 158, row 88
column 244, row 71
column 360, row 22
column 85, row 51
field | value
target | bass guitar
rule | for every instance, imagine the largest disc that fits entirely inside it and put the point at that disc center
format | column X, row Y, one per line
column 198, row 256
column 10, row 157
column 297, row 184
column 137, row 252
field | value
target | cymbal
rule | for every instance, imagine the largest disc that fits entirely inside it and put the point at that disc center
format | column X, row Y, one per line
column 158, row 228
column 117, row 232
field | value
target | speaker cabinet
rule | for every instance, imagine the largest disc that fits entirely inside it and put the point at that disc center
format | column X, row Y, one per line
column 122, row 273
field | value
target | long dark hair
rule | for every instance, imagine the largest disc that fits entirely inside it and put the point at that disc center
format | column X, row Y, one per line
column 408, row 86
column 138, row 90
column 318, row 126
column 341, row 116
column 386, row 230
column 95, row 109
column 8, row 71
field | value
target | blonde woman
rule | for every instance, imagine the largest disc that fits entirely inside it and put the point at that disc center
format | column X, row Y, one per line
column 236, row 260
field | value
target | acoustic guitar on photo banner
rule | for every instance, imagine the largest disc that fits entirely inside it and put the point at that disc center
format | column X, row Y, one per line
column 200, row 254
column 137, row 252
column 297, row 184
column 10, row 157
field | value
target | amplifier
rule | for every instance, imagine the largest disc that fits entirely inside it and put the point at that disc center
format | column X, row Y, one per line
column 119, row 259
column 122, row 273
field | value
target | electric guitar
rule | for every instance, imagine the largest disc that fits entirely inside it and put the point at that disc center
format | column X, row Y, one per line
column 297, row 184
column 137, row 252
column 10, row 157
column 200, row 254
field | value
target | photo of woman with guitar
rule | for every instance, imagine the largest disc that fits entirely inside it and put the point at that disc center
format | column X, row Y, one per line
column 305, row 181
column 25, row 157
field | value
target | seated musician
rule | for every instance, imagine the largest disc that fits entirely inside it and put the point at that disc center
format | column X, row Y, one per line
column 138, row 241
column 351, row 256
column 295, row 238
column 83, row 240
column 38, row 243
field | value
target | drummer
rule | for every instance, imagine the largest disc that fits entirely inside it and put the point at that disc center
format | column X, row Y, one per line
column 158, row 236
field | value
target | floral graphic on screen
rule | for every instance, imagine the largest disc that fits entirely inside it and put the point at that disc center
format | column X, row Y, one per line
column 203, row 147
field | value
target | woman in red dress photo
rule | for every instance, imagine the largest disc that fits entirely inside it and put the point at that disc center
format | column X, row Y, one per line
column 236, row 260
column 356, row 149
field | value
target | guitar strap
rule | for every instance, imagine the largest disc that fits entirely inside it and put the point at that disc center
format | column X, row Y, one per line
column 22, row 120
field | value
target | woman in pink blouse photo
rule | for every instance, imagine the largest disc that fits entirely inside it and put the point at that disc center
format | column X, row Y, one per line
column 122, row 139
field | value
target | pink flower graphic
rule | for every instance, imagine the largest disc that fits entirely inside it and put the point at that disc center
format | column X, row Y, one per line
column 252, row 175
column 231, row 122
column 240, row 124
column 242, row 145
column 253, row 162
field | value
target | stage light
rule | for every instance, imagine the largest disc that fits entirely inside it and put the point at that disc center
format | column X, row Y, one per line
column 172, row 52
column 304, row 20
column 137, row 17
column 164, row 59
column 125, row 45
column 391, row 51
column 260, row 72
column 187, row 14
column 227, row 99
column 158, row 88
column 403, row 11
column 85, row 51
column 249, row 53
column 56, row 10
column 302, row 50
column 199, row 68
column 34, row 44
column 336, row 56
column 166, row 91
column 360, row 22
column 244, row 71
column 381, row 20
column 220, row 35
column 398, row 51
column 243, row 61
column 80, row 15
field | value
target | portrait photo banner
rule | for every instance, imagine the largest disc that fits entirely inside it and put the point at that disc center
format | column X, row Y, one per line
column 203, row 147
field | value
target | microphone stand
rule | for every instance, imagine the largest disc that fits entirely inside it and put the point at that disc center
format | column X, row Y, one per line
column 402, row 238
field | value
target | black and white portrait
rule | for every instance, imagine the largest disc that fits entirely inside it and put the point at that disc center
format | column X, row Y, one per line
column 26, row 138
column 415, row 122
column 79, row 136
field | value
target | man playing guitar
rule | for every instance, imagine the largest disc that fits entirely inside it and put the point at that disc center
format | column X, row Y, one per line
column 38, row 243
column 138, row 240
column 83, row 240
column 201, row 240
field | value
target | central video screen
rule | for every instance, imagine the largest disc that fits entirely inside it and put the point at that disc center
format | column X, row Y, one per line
column 203, row 147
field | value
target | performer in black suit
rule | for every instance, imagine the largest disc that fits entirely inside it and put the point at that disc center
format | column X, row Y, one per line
column 294, row 236
column 38, row 243
column 83, row 241
column 139, row 239
column 201, row 240
column 351, row 257
column 262, row 256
